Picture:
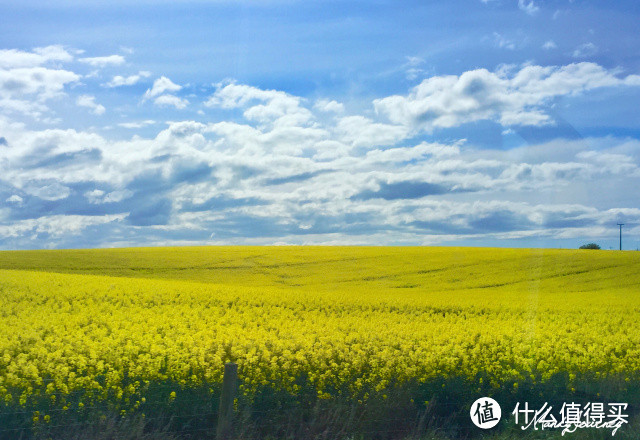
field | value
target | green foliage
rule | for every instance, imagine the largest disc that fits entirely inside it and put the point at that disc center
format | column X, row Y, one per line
column 590, row 246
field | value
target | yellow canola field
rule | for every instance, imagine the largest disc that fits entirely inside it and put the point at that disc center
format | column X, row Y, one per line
column 352, row 322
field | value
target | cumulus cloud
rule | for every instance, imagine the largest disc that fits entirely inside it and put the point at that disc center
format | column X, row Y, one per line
column 172, row 101
column 26, row 89
column 413, row 153
column 13, row 58
column 50, row 192
column 27, row 82
column 363, row 132
column 262, row 106
column 518, row 98
column 233, row 95
column 161, row 86
column 15, row 199
column 119, row 81
column 89, row 102
column 110, row 60
column 40, row 81
column 138, row 124
column 98, row 196
column 246, row 183
column 284, row 168
column 56, row 225
column 325, row 105
column 505, row 219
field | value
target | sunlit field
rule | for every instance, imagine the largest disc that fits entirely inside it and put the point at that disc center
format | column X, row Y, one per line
column 363, row 341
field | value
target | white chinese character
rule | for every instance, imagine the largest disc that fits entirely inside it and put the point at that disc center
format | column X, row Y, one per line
column 526, row 411
column 594, row 412
column 570, row 413
column 615, row 413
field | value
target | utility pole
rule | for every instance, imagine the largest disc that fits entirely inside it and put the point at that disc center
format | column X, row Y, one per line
column 621, row 225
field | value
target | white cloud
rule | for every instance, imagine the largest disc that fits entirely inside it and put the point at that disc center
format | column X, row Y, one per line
column 272, row 106
column 139, row 124
column 232, row 95
column 98, row 196
column 325, row 105
column 285, row 170
column 110, row 60
column 42, row 82
column 528, row 6
column 52, row 191
column 14, row 199
column 161, row 86
column 585, row 50
column 549, row 44
column 503, row 42
column 119, row 80
column 412, row 69
column 26, row 89
column 517, row 98
column 407, row 154
column 89, row 101
column 56, row 225
column 414, row 61
column 317, row 194
column 13, row 58
column 413, row 73
column 613, row 163
column 363, row 132
column 94, row 196
column 171, row 100
column 26, row 107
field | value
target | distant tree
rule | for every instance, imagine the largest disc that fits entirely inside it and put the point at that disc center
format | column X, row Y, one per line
column 590, row 246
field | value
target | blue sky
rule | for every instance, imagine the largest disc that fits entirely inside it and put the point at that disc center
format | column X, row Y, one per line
column 480, row 122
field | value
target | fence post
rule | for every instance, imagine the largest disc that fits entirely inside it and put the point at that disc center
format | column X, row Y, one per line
column 225, row 410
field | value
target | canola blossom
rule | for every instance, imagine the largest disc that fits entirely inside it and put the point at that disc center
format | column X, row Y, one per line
column 100, row 328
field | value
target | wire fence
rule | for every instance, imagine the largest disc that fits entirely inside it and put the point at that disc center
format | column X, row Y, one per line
column 325, row 420
column 179, row 426
column 198, row 415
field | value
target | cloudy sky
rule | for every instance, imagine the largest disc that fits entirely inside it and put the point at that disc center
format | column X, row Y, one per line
column 479, row 122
